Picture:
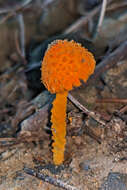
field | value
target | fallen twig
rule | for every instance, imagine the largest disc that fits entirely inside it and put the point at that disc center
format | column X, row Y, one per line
column 124, row 109
column 49, row 179
column 18, row 47
column 15, row 8
column 112, row 100
column 117, row 5
column 92, row 114
column 46, row 3
column 101, row 18
column 7, row 139
column 10, row 14
column 84, row 19
column 21, row 34
column 23, row 138
column 81, row 21
column 89, row 132
column 21, row 49
column 11, row 11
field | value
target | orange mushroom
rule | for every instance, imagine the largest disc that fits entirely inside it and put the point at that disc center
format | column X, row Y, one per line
column 65, row 63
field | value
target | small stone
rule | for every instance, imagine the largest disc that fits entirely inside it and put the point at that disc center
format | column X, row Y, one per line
column 84, row 166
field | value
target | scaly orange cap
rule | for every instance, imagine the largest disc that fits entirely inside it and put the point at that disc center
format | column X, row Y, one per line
column 66, row 63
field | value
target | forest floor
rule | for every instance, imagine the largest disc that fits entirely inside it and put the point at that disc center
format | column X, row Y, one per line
column 96, row 146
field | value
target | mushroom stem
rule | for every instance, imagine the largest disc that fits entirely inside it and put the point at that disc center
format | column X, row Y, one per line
column 58, row 119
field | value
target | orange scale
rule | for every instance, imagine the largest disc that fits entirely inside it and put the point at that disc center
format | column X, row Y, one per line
column 85, row 78
column 71, row 62
column 88, row 59
column 82, row 76
column 77, row 83
column 59, row 77
column 54, row 64
column 84, row 67
column 57, row 89
column 75, row 75
column 67, row 85
column 70, row 68
column 86, row 64
column 52, row 83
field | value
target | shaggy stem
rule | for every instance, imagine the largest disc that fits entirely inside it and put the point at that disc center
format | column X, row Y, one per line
column 58, row 119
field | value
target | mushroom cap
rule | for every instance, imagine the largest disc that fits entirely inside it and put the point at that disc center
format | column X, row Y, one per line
column 66, row 63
